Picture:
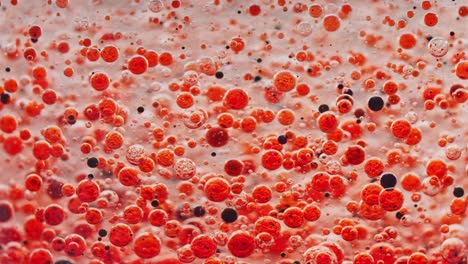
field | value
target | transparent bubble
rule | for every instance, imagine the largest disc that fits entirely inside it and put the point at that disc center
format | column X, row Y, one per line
column 407, row 220
column 453, row 250
column 194, row 118
column 314, row 254
column 185, row 254
column 155, row 6
column 438, row 47
column 453, row 152
column 191, row 77
column 304, row 29
column 431, row 186
column 333, row 167
column 135, row 153
column 264, row 240
column 81, row 23
column 185, row 168
column 412, row 117
column 111, row 197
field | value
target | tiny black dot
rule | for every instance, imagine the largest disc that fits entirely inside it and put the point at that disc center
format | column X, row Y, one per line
column 199, row 211
column 102, row 232
column 106, row 247
column 7, row 69
column 219, row 75
column 63, row 261
column 93, row 162
column 257, row 78
column 399, row 215
column 259, row 60
column 155, row 203
column 340, row 86
column 34, row 40
column 375, row 103
column 323, row 108
column 229, row 215
column 213, row 154
column 349, row 91
column 238, row 11
column 90, row 176
column 388, row 180
column 282, row 139
column 140, row 109
column 5, row 98
column 452, row 33
column 458, row 192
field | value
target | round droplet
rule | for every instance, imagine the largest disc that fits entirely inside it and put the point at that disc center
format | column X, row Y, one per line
column 438, row 47
column 155, row 6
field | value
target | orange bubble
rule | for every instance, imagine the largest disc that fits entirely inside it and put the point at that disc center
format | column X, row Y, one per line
column 185, row 100
column 431, row 19
column 147, row 245
column 315, row 10
column 120, row 235
column 390, row 87
column 54, row 214
column 236, row 99
column 262, row 193
column 248, row 124
column 88, row 191
column 401, row 128
column 217, row 189
column 128, row 176
column 272, row 159
column 241, row 244
column 285, row 117
column 93, row 54
column 284, row 81
column 293, row 217
column 132, row 214
column 114, row 140
column 436, row 167
column 355, row 155
column 8, row 123
column 331, row 23
column 414, row 137
column 391, row 199
column 137, row 64
column 99, row 81
column 407, row 41
column 165, row 59
column 312, row 213
column 203, row 246
column 152, row 57
column 370, row 193
column 410, row 182
column 461, row 70
column 110, row 53
column 33, row 182
column 327, row 122
column 373, row 167
column 237, row 44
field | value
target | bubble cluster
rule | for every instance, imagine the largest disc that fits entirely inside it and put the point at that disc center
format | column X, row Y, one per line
column 220, row 131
